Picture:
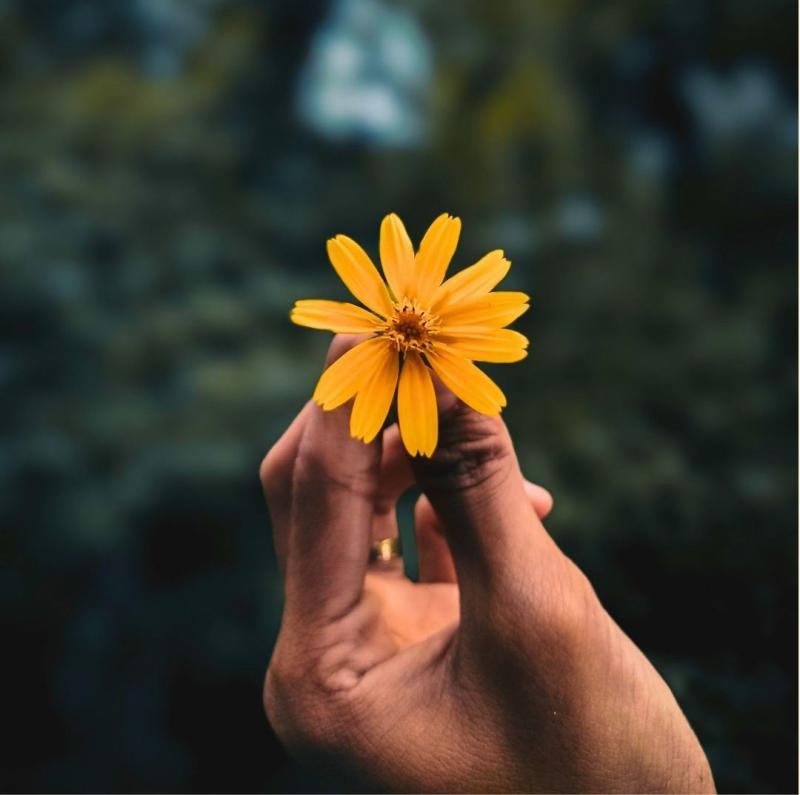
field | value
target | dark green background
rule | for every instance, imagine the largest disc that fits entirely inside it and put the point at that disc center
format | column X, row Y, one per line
column 169, row 172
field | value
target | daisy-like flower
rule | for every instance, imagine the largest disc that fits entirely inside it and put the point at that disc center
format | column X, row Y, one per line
column 419, row 322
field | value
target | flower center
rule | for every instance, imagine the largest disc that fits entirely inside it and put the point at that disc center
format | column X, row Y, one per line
column 410, row 328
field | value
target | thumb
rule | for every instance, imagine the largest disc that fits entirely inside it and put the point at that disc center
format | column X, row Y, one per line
column 475, row 485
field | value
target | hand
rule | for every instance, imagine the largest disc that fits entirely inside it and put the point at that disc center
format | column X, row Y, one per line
column 499, row 671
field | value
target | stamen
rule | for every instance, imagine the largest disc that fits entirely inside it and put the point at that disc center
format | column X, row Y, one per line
column 411, row 328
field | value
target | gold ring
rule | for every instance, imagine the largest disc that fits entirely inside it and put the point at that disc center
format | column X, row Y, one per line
column 385, row 550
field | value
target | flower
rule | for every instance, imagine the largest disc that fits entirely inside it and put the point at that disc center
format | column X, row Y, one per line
column 418, row 322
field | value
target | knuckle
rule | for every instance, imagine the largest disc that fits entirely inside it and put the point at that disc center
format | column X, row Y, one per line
column 297, row 713
column 473, row 449
column 270, row 471
column 310, row 699
column 317, row 469
column 569, row 608
column 561, row 611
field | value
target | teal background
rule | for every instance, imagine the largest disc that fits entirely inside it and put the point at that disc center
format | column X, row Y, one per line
column 169, row 173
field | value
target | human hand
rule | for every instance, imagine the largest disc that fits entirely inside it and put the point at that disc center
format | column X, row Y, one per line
column 499, row 671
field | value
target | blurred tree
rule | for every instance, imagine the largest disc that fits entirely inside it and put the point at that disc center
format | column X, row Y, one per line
column 165, row 198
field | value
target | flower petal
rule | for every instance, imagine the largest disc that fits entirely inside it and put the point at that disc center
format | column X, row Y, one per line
column 494, row 310
column 337, row 316
column 416, row 407
column 349, row 372
column 472, row 282
column 469, row 383
column 434, row 255
column 486, row 345
column 374, row 398
column 358, row 273
column 397, row 255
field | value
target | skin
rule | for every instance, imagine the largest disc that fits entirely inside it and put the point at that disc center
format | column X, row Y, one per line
column 499, row 671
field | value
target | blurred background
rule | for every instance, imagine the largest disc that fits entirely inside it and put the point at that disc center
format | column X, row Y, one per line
column 170, row 173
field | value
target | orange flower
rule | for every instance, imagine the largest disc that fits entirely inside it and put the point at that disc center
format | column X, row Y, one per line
column 419, row 322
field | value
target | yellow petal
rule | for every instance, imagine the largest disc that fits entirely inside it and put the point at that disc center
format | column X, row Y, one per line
column 469, row 383
column 494, row 310
column 374, row 398
column 347, row 374
column 416, row 407
column 472, row 282
column 397, row 255
column 358, row 273
column 434, row 255
column 486, row 345
column 336, row 316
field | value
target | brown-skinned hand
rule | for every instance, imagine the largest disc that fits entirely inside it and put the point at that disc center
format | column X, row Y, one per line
column 498, row 671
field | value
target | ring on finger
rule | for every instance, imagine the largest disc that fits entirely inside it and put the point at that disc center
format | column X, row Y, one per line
column 385, row 550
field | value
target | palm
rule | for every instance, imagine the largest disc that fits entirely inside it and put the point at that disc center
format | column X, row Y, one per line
column 410, row 612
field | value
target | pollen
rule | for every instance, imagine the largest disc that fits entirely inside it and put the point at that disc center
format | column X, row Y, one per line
column 411, row 328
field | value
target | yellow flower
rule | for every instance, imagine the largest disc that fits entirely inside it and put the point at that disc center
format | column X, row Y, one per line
column 419, row 322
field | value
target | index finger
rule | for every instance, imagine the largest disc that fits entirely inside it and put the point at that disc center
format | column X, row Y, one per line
column 335, row 483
